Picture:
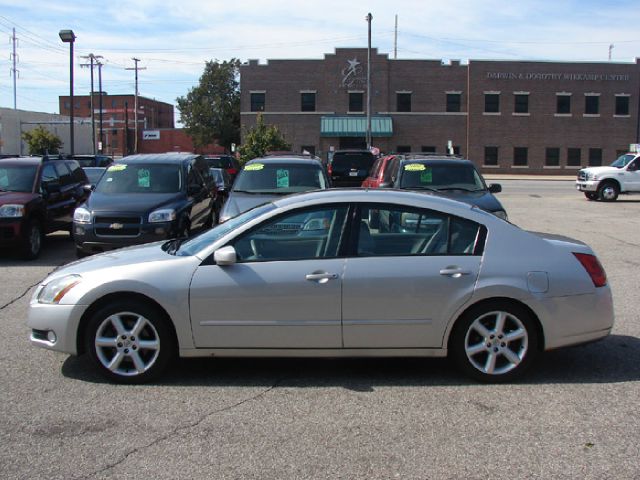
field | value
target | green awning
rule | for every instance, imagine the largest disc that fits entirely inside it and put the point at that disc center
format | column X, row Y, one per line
column 335, row 126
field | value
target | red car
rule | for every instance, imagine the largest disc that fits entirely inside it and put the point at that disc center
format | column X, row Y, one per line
column 37, row 196
column 377, row 172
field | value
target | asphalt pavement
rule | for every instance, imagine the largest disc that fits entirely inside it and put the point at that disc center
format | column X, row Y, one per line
column 575, row 414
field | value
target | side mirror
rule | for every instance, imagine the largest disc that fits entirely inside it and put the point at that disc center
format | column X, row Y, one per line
column 225, row 256
column 88, row 188
column 495, row 187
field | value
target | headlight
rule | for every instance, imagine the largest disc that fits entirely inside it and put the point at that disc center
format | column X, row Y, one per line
column 164, row 215
column 11, row 210
column 53, row 291
column 82, row 215
column 501, row 214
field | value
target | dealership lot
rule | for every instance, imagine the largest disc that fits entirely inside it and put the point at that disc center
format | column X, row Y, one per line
column 574, row 415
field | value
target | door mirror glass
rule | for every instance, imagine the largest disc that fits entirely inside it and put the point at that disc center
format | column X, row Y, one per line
column 495, row 187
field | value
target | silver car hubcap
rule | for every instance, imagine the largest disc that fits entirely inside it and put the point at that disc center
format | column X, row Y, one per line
column 496, row 342
column 127, row 344
column 608, row 193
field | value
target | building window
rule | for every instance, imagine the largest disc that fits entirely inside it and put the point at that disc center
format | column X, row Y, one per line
column 520, row 156
column 622, row 105
column 114, row 103
column 67, row 105
column 491, row 155
column 310, row 149
column 591, row 105
column 492, row 102
column 428, row 149
column 453, row 102
column 552, row 157
column 257, row 101
column 521, row 103
column 356, row 103
column 307, row 102
column 403, row 102
column 403, row 148
column 563, row 104
column 573, row 157
column 595, row 157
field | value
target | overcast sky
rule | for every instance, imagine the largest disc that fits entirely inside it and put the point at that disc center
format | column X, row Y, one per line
column 174, row 38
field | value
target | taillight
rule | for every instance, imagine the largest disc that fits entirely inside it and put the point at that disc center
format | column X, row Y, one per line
column 593, row 268
column 329, row 169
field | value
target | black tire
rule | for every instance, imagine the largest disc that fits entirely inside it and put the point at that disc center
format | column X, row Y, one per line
column 130, row 355
column 591, row 195
column 608, row 191
column 491, row 356
column 32, row 240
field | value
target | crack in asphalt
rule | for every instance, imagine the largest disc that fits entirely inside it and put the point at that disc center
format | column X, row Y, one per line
column 621, row 241
column 11, row 302
column 182, row 428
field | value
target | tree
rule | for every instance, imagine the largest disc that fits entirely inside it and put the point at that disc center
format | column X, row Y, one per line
column 41, row 141
column 261, row 139
column 211, row 111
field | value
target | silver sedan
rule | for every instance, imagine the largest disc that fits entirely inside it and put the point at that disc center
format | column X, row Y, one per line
column 331, row 273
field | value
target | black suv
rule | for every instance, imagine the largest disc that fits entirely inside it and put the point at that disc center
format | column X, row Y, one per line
column 349, row 168
column 37, row 196
column 92, row 160
column 227, row 162
column 445, row 175
column 145, row 198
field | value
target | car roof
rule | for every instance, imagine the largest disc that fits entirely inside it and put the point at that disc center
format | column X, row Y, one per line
column 443, row 160
column 176, row 158
column 303, row 160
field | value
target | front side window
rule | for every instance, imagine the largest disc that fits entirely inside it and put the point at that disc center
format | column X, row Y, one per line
column 257, row 101
column 403, row 102
column 278, row 178
column 491, row 102
column 404, row 231
column 356, row 103
column 152, row 178
column 591, row 105
column 63, row 173
column 302, row 234
column 49, row 175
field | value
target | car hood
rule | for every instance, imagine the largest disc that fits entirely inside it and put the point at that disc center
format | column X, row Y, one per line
column 241, row 202
column 129, row 203
column 601, row 170
column 482, row 199
column 18, row 198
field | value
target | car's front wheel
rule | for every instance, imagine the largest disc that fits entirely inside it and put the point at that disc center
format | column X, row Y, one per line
column 130, row 341
column 591, row 195
column 494, row 342
column 608, row 191
column 33, row 238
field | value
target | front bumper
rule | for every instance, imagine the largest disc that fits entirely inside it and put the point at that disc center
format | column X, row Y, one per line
column 89, row 240
column 11, row 231
column 587, row 185
column 62, row 320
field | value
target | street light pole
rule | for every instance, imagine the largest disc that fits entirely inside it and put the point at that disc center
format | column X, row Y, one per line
column 101, row 139
column 67, row 36
column 369, row 18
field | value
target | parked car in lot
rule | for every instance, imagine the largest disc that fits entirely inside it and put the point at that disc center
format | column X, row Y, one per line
column 452, row 177
column 145, row 198
column 37, row 196
column 229, row 163
column 307, row 275
column 606, row 183
column 264, row 179
column 223, row 184
column 379, row 173
column 349, row 168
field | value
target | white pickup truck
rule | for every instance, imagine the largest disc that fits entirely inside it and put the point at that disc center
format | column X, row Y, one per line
column 606, row 183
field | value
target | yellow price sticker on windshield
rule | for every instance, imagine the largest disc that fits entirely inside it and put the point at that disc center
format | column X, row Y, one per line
column 254, row 167
column 117, row 168
column 414, row 167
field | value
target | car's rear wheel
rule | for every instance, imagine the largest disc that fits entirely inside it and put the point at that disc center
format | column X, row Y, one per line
column 33, row 238
column 608, row 192
column 130, row 342
column 494, row 342
column 591, row 195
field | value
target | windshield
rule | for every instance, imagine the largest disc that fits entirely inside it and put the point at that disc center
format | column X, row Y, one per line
column 94, row 174
column 123, row 178
column 197, row 243
column 623, row 160
column 440, row 177
column 282, row 178
column 17, row 178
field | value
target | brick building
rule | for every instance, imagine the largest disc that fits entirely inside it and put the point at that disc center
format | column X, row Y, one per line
column 507, row 116
column 118, row 117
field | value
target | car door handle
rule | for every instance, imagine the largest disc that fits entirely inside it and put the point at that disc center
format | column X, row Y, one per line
column 321, row 277
column 454, row 272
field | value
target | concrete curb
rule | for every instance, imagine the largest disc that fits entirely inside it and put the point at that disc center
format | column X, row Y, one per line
column 497, row 177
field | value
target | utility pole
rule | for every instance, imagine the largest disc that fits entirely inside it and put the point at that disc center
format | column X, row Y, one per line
column 14, row 71
column 101, row 138
column 92, row 59
column 135, row 111
column 369, row 18
column 610, row 50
